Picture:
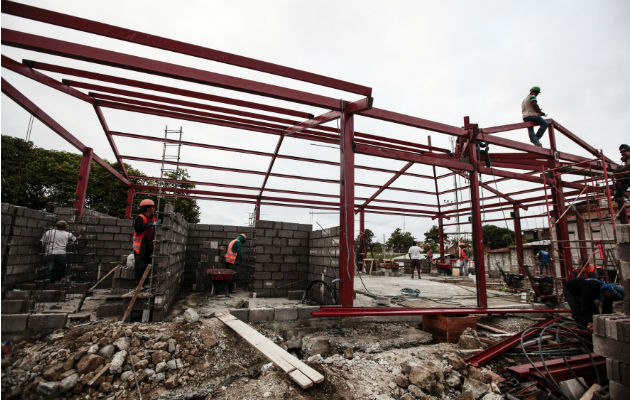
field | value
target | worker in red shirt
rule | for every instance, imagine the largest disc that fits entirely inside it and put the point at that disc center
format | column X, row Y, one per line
column 464, row 258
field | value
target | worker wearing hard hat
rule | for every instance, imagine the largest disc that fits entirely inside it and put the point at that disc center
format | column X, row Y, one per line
column 143, row 236
column 533, row 113
column 582, row 293
column 234, row 253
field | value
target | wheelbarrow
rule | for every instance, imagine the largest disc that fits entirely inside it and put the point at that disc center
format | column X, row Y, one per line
column 220, row 277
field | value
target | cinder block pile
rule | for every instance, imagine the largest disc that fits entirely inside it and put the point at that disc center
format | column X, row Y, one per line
column 611, row 332
column 323, row 262
column 281, row 250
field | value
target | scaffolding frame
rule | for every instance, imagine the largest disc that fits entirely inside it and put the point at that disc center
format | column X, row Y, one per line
column 529, row 160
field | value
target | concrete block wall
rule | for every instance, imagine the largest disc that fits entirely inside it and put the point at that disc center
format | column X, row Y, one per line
column 170, row 262
column 21, row 250
column 282, row 258
column 206, row 248
column 323, row 262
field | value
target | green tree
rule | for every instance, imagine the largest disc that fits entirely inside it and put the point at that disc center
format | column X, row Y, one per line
column 400, row 241
column 495, row 237
column 432, row 234
column 44, row 179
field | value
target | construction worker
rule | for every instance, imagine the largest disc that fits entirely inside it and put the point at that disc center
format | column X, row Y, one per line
column 54, row 242
column 464, row 259
column 414, row 255
column 143, row 236
column 429, row 256
column 582, row 293
column 622, row 175
column 543, row 257
column 533, row 113
column 234, row 254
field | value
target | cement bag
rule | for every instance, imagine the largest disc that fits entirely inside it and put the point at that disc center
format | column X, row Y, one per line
column 130, row 260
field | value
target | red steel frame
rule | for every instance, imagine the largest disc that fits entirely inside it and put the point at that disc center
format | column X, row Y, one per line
column 530, row 160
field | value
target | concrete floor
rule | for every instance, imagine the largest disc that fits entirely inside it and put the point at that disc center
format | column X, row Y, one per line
column 460, row 293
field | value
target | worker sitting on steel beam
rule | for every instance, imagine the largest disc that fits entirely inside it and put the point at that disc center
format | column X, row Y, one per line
column 581, row 295
column 622, row 175
column 543, row 259
column 533, row 113
column 143, row 236
column 234, row 253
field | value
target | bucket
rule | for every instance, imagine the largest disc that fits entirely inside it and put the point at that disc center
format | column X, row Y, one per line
column 455, row 271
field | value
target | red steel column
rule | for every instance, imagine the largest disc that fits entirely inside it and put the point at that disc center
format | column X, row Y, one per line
column 441, row 233
column 519, row 238
column 346, row 212
column 362, row 247
column 82, row 181
column 258, row 210
column 562, row 227
column 480, row 268
column 579, row 222
column 130, row 195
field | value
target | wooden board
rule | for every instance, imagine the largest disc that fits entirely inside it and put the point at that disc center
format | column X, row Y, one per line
column 136, row 292
column 301, row 373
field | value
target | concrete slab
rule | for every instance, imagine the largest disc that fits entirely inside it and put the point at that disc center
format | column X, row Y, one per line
column 14, row 323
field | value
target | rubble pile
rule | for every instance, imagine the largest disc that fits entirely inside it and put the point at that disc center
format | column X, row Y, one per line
column 152, row 359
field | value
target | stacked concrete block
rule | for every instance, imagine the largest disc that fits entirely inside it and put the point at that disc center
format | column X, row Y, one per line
column 611, row 339
column 323, row 262
column 282, row 257
column 169, row 261
column 623, row 255
column 206, row 248
column 22, row 228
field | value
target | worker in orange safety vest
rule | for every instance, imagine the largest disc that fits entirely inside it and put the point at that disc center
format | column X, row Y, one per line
column 234, row 253
column 143, row 236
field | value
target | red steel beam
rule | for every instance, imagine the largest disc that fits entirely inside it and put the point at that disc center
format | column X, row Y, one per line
column 162, row 88
column 169, row 100
column 386, row 185
column 100, row 56
column 504, row 345
column 111, row 31
column 504, row 128
column 130, row 195
column 408, row 156
column 82, row 181
column 47, row 120
column 390, row 116
column 110, row 139
column 577, row 140
column 346, row 211
column 313, row 122
column 516, row 215
column 42, row 78
column 327, row 312
column 271, row 162
column 480, row 271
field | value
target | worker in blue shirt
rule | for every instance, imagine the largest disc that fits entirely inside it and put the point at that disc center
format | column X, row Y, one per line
column 543, row 257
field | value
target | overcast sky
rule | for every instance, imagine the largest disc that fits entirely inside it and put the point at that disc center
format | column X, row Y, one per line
column 439, row 60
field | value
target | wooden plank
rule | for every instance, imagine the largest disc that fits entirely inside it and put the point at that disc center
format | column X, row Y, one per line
column 103, row 278
column 99, row 373
column 272, row 351
column 257, row 337
column 301, row 379
column 491, row 328
column 135, row 294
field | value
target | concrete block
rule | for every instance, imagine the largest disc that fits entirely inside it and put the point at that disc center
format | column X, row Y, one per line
column 110, row 310
column 14, row 306
column 261, row 314
column 623, row 251
column 285, row 314
column 264, row 224
column 240, row 313
column 262, row 275
column 623, row 233
column 304, row 312
column 618, row 391
column 295, row 294
column 14, row 323
column 46, row 322
column 618, row 371
column 611, row 348
column 624, row 267
column 277, row 275
column 48, row 296
column 17, row 295
column 285, row 233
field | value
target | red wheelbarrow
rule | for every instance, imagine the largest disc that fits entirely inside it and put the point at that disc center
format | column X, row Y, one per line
column 220, row 276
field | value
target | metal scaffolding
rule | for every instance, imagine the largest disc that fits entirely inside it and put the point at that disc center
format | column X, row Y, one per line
column 266, row 117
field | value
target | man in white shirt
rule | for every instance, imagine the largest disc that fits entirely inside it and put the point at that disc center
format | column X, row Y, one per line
column 414, row 255
column 54, row 243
